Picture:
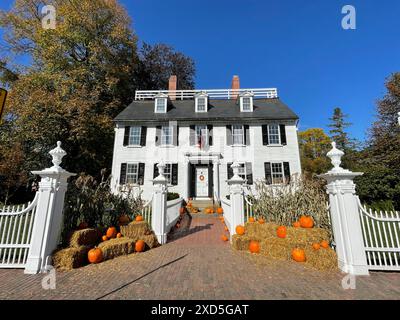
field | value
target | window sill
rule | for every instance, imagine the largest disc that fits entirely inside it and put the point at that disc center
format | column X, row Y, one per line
column 134, row 146
column 167, row 146
column 238, row 145
column 275, row 145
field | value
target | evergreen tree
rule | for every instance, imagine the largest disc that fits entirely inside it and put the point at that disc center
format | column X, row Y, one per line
column 338, row 132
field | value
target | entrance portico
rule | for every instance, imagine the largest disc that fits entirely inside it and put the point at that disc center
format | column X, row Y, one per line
column 202, row 172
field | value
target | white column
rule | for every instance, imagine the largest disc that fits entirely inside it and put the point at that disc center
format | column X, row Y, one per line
column 236, row 198
column 345, row 217
column 159, row 210
column 216, row 178
column 48, row 221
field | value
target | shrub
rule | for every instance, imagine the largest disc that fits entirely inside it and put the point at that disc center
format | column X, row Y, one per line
column 172, row 196
column 285, row 204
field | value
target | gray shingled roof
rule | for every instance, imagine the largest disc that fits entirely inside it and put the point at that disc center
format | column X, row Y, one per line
column 264, row 109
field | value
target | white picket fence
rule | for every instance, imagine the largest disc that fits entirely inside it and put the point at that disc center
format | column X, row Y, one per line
column 249, row 212
column 381, row 232
column 227, row 208
column 147, row 211
column 16, row 224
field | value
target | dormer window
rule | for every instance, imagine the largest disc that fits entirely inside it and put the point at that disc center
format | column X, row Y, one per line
column 246, row 102
column 160, row 105
column 201, row 102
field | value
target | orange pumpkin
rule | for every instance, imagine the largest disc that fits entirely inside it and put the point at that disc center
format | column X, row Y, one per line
column 139, row 246
column 95, row 255
column 111, row 232
column 296, row 224
column 306, row 222
column 281, row 232
column 325, row 244
column 208, row 211
column 224, row 238
column 104, row 238
column 124, row 219
column 254, row 246
column 222, row 220
column 298, row 255
column 240, row 230
column 139, row 218
column 251, row 220
column 316, row 246
column 220, row 210
column 261, row 221
column 226, row 229
column 83, row 225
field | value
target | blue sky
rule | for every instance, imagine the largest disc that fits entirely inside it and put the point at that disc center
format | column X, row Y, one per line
column 297, row 46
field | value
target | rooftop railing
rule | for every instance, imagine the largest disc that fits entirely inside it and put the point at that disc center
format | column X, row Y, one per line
column 266, row 93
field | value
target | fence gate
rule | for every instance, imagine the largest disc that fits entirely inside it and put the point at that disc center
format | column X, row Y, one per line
column 381, row 231
column 16, row 224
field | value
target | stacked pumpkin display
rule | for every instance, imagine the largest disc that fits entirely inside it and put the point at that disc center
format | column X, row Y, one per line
column 300, row 243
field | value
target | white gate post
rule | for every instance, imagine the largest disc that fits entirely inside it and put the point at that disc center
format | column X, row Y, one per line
column 345, row 216
column 159, row 210
column 237, row 198
column 48, row 221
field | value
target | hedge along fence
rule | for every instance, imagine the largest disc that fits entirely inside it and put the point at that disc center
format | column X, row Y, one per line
column 284, row 205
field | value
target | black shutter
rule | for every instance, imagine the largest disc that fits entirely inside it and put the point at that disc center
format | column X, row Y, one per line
column 282, row 128
column 268, row 172
column 286, row 171
column 126, row 135
column 192, row 135
column 210, row 181
column 210, row 135
column 143, row 134
column 192, row 175
column 174, row 179
column 229, row 135
column 229, row 170
column 265, row 135
column 141, row 174
column 155, row 171
column 158, row 135
column 122, row 177
column 249, row 173
column 246, row 135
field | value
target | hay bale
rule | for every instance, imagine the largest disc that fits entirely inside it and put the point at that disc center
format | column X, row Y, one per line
column 70, row 258
column 261, row 231
column 135, row 229
column 150, row 240
column 85, row 237
column 277, row 248
column 322, row 259
column 117, row 247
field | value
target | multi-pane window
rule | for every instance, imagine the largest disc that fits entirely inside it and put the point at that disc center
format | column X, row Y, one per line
column 201, row 104
column 166, row 135
column 273, row 134
column 132, row 172
column 237, row 134
column 168, row 172
column 201, row 134
column 246, row 104
column 161, row 105
column 134, row 136
column 277, row 173
column 242, row 171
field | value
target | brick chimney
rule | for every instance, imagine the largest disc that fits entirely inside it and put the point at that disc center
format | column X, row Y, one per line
column 172, row 86
column 235, row 86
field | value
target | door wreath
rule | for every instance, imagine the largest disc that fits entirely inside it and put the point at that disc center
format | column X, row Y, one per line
column 201, row 178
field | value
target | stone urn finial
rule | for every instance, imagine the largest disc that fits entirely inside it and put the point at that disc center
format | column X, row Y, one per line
column 57, row 154
column 235, row 168
column 161, row 168
column 336, row 157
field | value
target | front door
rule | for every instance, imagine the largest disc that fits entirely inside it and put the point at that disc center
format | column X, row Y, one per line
column 201, row 182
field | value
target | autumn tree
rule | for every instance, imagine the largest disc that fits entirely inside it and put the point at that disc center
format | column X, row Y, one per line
column 314, row 145
column 79, row 77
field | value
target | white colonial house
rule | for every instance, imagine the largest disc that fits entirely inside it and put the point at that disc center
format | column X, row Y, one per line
column 199, row 134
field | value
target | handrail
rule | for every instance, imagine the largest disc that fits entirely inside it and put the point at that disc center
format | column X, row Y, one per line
column 362, row 208
column 30, row 206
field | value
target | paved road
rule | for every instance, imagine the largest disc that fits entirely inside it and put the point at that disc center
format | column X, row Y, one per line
column 197, row 266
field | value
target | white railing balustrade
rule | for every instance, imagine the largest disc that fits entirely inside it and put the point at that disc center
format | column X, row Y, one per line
column 16, row 224
column 226, row 207
column 147, row 211
column 173, row 207
column 381, row 232
column 249, row 211
column 268, row 93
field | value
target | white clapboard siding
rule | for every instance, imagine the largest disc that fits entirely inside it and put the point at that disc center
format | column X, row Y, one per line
column 16, row 224
column 381, row 231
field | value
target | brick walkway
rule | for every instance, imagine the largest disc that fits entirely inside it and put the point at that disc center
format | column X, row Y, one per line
column 197, row 266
